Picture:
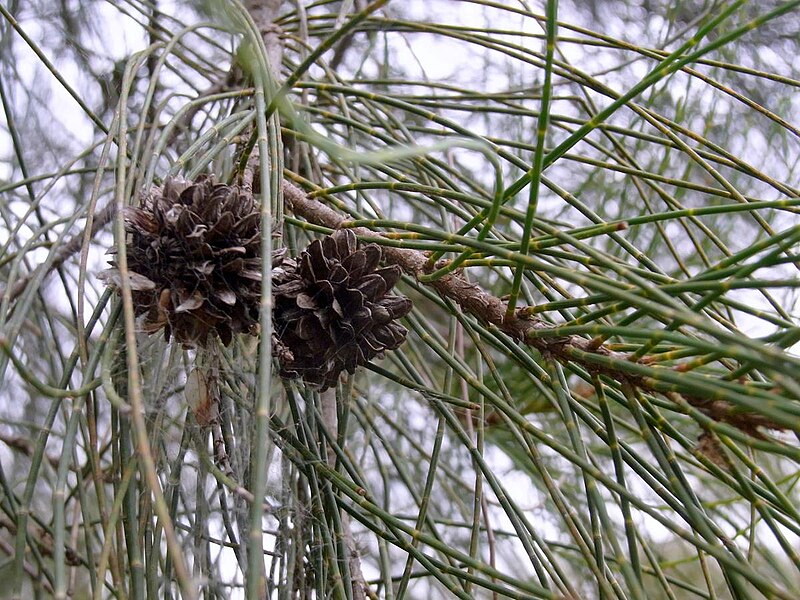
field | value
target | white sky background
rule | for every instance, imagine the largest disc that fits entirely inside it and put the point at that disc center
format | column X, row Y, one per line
column 116, row 38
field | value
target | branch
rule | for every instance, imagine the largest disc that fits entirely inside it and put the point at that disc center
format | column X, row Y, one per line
column 596, row 359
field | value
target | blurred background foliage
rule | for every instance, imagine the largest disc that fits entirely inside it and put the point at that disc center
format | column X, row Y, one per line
column 662, row 142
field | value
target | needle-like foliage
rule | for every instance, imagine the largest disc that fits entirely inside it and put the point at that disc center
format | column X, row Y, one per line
column 593, row 208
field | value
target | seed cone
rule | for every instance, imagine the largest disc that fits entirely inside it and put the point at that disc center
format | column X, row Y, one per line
column 194, row 261
column 333, row 311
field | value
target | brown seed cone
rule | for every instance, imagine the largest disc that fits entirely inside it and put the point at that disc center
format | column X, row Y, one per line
column 333, row 311
column 194, row 261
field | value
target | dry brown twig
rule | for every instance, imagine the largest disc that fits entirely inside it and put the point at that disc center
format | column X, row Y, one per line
column 494, row 311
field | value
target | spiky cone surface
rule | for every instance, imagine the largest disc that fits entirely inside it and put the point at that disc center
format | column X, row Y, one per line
column 194, row 261
column 334, row 310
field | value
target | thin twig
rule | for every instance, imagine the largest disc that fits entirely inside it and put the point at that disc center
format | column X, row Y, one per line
column 73, row 245
column 330, row 418
column 493, row 310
